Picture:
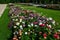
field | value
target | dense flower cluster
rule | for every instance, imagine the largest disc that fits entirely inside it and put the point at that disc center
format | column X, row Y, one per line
column 27, row 25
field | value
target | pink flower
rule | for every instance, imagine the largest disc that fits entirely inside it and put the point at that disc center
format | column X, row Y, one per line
column 14, row 38
column 40, row 32
column 35, row 23
column 45, row 35
column 56, row 36
column 49, row 26
column 24, row 25
column 42, row 25
column 31, row 15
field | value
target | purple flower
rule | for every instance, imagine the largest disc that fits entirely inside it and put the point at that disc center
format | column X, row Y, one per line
column 31, row 15
column 23, row 25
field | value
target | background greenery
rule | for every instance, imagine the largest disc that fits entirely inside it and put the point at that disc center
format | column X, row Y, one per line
column 30, row 1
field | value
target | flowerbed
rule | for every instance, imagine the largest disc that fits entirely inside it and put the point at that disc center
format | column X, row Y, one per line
column 27, row 25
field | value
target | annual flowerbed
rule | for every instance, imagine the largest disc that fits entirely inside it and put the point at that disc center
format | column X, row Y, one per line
column 28, row 25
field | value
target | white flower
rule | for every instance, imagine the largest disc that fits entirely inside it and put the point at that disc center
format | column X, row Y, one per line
column 23, row 22
column 31, row 17
column 17, row 32
column 17, row 23
column 58, row 30
column 17, row 15
column 40, row 23
column 50, row 18
column 21, row 27
column 12, row 15
column 53, row 22
column 20, row 20
column 31, row 24
column 14, row 33
column 16, row 20
column 19, row 37
column 15, row 26
column 13, row 19
column 47, row 19
column 35, row 25
column 29, row 30
column 49, row 26
column 25, row 32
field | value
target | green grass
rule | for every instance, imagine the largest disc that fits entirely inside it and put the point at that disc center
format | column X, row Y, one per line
column 55, row 14
column 4, row 20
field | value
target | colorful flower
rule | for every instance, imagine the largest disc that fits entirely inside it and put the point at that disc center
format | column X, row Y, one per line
column 49, row 26
column 17, row 23
column 41, row 24
column 35, row 23
column 15, row 26
column 45, row 35
column 50, row 18
column 21, row 27
column 31, row 24
column 56, row 36
column 40, row 32
column 26, row 33
column 20, row 20
column 16, row 19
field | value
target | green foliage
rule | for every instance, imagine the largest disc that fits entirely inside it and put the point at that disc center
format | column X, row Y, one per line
column 27, row 1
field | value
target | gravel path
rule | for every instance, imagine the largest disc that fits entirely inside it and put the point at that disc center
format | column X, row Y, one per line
column 2, row 8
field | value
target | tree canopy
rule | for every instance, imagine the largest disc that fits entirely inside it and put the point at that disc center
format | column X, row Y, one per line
column 30, row 1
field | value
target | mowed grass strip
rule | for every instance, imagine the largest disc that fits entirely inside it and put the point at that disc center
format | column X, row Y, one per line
column 4, row 20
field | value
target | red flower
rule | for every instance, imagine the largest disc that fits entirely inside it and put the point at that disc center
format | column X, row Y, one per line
column 56, row 36
column 35, row 23
column 40, row 32
column 45, row 35
column 14, row 38
column 42, row 25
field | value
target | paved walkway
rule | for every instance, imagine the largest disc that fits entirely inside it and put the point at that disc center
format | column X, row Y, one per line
column 2, row 8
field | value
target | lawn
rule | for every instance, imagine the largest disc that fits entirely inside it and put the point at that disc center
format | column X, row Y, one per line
column 4, row 20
